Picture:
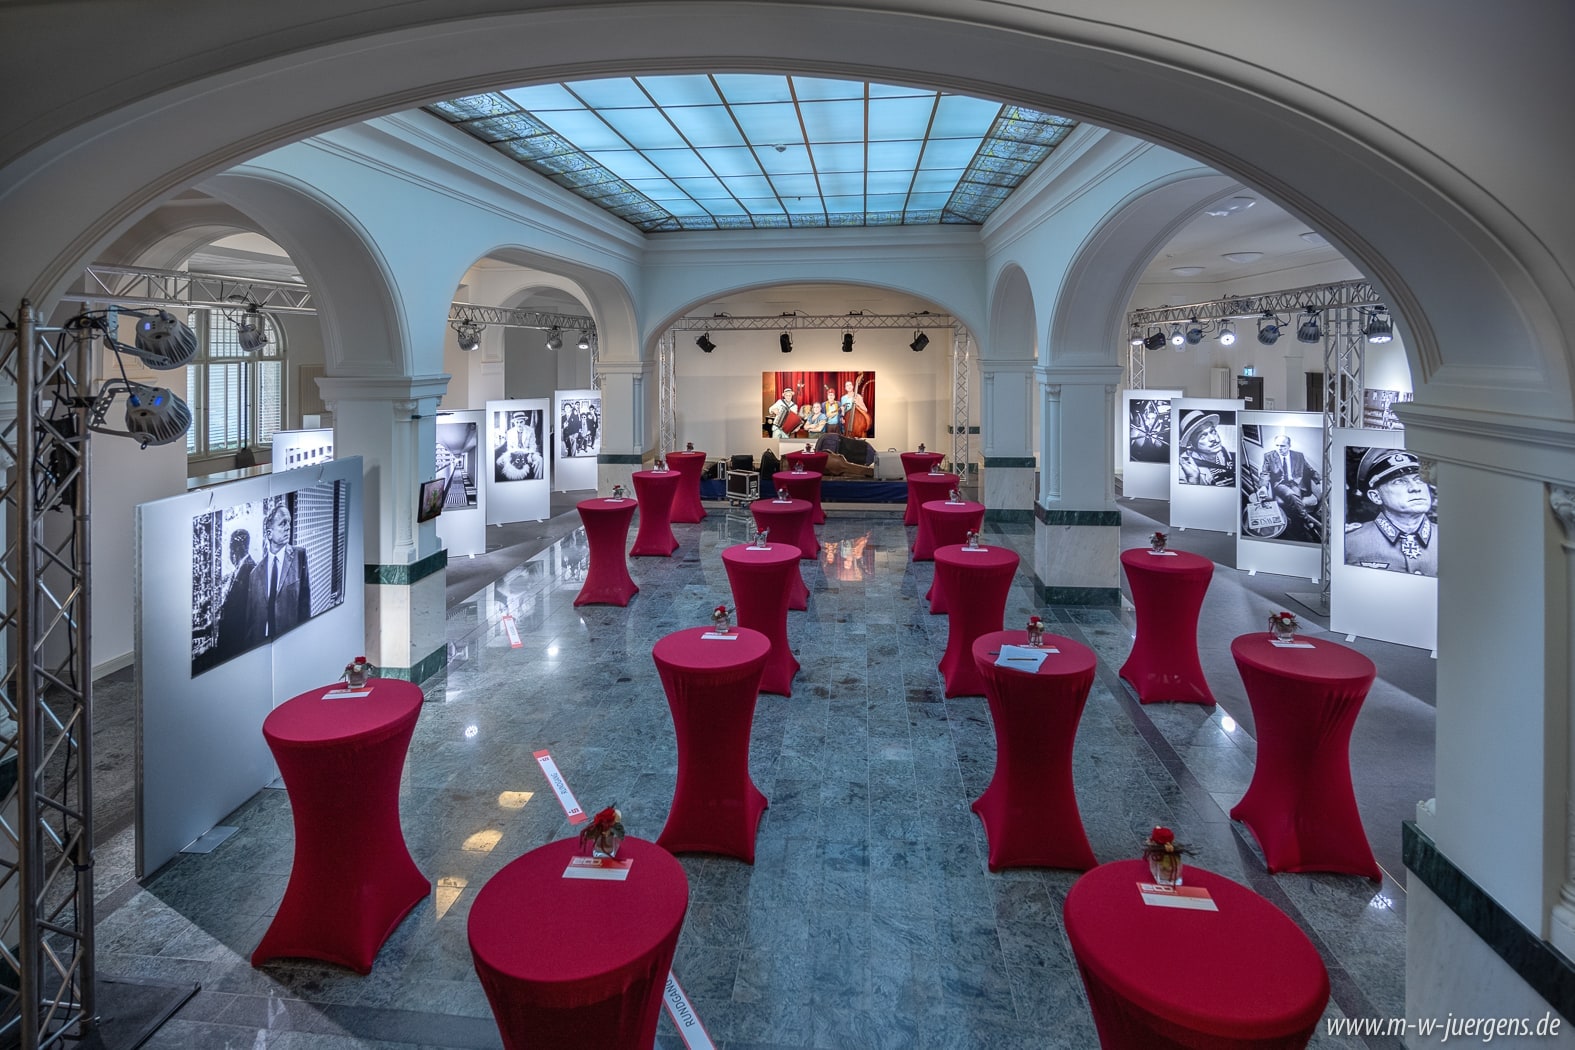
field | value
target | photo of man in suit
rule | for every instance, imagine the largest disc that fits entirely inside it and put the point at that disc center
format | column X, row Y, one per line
column 235, row 634
column 1298, row 488
column 279, row 597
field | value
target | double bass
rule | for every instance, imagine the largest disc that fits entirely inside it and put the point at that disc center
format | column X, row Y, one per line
column 858, row 422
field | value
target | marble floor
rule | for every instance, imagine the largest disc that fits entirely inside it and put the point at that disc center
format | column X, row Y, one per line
column 869, row 919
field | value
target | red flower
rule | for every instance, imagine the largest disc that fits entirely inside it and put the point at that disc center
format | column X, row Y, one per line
column 606, row 818
column 1162, row 836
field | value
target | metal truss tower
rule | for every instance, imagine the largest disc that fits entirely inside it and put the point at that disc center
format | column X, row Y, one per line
column 46, row 834
column 962, row 450
column 667, row 396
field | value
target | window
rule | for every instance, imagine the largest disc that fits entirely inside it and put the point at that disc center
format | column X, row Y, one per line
column 236, row 396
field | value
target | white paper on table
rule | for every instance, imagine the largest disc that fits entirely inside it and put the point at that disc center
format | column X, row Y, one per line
column 1022, row 658
column 609, row 868
column 347, row 693
column 979, row 548
column 1194, row 897
column 1291, row 645
column 715, row 637
column 1163, row 554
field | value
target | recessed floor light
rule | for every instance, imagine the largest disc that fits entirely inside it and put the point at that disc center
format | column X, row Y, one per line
column 1242, row 257
column 1186, row 271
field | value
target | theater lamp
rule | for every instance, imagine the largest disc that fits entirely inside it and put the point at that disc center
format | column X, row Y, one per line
column 555, row 340
column 250, row 332
column 847, row 342
column 468, row 334
column 1309, row 331
column 704, row 343
column 920, row 341
column 1379, row 327
column 787, row 343
column 154, row 415
column 163, row 342
column 584, row 343
column 1155, row 340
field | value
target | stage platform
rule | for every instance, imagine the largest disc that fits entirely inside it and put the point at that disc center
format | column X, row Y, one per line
column 832, row 490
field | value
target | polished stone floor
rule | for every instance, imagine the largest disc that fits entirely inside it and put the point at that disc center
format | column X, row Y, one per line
column 869, row 919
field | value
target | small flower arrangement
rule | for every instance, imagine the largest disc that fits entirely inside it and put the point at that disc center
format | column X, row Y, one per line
column 1036, row 631
column 761, row 535
column 973, row 539
column 721, row 619
column 604, row 834
column 689, row 446
column 660, row 464
column 617, row 492
column 1157, row 541
column 954, row 496
column 921, row 446
column 783, row 496
column 1283, row 624
column 935, row 468
column 1164, row 854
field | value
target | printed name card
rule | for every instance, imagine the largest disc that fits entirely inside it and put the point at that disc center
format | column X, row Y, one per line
column 1194, row 897
column 1163, row 554
column 975, row 550
column 613, row 499
column 713, row 636
column 608, row 869
column 1291, row 645
column 347, row 693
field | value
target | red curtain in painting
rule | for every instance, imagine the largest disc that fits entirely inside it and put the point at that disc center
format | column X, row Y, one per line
column 814, row 386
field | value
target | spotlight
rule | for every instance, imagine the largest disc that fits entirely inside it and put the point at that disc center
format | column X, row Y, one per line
column 154, row 415
column 704, row 343
column 1194, row 332
column 555, row 339
column 1137, row 336
column 847, row 342
column 1380, row 327
column 250, row 332
column 1268, row 329
column 584, row 343
column 469, row 335
column 787, row 343
column 920, row 341
column 1154, row 341
column 164, row 342
column 1309, row 331
column 1176, row 336
column 1227, row 333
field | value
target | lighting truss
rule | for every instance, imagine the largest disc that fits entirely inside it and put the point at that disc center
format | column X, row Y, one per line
column 962, row 451
column 144, row 287
column 844, row 322
column 1251, row 307
column 667, row 396
column 503, row 317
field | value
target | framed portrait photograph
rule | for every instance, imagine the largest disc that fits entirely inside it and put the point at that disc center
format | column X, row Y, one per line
column 1207, row 441
column 1148, row 430
column 517, row 452
column 1391, row 511
column 1282, row 489
column 580, row 428
column 458, row 457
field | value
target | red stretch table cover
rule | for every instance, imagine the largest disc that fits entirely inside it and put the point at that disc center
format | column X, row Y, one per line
column 815, row 461
column 761, row 582
column 1030, row 810
column 711, row 687
column 789, row 522
column 1167, row 593
column 656, row 490
column 919, row 462
column 1300, row 805
column 976, row 583
column 352, row 879
column 1241, row 978
column 941, row 522
column 570, row 962
column 686, row 501
column 607, row 580
column 803, row 484
column 924, row 487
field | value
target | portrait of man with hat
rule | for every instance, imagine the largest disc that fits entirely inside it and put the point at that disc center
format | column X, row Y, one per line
column 1204, row 459
column 1402, row 537
column 518, row 452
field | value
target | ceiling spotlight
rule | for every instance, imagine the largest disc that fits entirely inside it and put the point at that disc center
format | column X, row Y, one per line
column 1176, row 336
column 1380, row 327
column 1155, row 340
column 920, row 341
column 787, row 343
column 847, row 342
column 469, row 335
column 250, row 332
column 704, row 343
column 584, row 343
column 1309, row 331
column 1137, row 336
column 1268, row 329
column 1194, row 332
column 1227, row 333
column 163, row 341
column 555, row 339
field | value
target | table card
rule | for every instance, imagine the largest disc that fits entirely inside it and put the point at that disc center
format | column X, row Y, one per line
column 347, row 694
column 1163, row 554
column 1022, row 658
column 610, row 869
column 718, row 636
column 1291, row 645
column 975, row 549
column 1193, row 897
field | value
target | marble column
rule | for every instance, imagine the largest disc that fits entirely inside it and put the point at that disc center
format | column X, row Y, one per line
column 1077, row 525
column 626, row 388
column 1006, row 415
column 389, row 421
column 1562, row 924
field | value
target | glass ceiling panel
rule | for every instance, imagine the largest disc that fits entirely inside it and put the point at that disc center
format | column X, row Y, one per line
column 667, row 153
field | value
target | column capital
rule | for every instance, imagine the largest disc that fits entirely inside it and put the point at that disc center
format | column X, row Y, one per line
column 628, row 368
column 1562, row 500
column 1079, row 375
column 411, row 390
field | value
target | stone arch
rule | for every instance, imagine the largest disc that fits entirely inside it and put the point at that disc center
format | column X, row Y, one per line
column 1014, row 325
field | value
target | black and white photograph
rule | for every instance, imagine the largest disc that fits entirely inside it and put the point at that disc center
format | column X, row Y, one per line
column 1149, row 430
column 517, row 445
column 580, row 427
column 1282, row 489
column 262, row 568
column 458, row 452
column 1205, row 442
column 1391, row 511
column 1378, row 412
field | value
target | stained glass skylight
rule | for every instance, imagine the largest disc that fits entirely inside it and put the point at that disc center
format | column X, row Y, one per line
column 755, row 151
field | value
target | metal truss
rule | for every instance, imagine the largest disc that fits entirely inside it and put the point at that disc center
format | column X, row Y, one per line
column 46, row 855
column 1344, row 372
column 787, row 322
column 962, row 450
column 503, row 317
column 1292, row 300
column 667, row 396
column 143, row 287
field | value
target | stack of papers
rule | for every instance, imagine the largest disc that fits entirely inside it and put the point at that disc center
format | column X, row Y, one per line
column 1022, row 658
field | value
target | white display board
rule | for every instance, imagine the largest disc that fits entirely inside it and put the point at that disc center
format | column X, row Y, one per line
column 1146, row 467
column 1375, row 589
column 1283, row 491
column 577, row 419
column 216, row 650
column 1203, row 474
column 516, row 468
column 461, row 461
column 302, row 448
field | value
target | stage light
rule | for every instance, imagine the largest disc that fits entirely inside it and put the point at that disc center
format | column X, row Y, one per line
column 1268, row 329
column 704, row 343
column 154, row 415
column 1309, row 331
column 1194, row 332
column 555, row 339
column 469, row 335
column 787, row 343
column 920, row 341
column 1154, row 341
column 1227, row 333
column 584, row 343
column 1137, row 336
column 1177, row 338
column 847, row 342
column 1380, row 328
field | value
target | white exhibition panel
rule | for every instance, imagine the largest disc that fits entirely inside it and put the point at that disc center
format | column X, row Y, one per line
column 201, row 751
column 302, row 448
column 462, row 527
column 518, row 482
column 1213, row 507
column 1373, row 603
column 577, row 416
column 1146, row 469
column 1256, row 551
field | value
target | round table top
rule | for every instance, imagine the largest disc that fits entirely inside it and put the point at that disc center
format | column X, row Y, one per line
column 1245, row 971
column 982, row 557
column 1074, row 657
column 1142, row 559
column 809, row 455
column 925, row 457
column 690, row 650
column 787, row 477
column 687, row 454
column 656, row 475
column 950, row 479
column 945, row 506
column 780, row 506
column 1325, row 662
column 310, row 721
column 532, row 924
column 775, row 552
column 606, row 505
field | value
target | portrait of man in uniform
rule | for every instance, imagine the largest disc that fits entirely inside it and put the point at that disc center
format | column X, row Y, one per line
column 1402, row 535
